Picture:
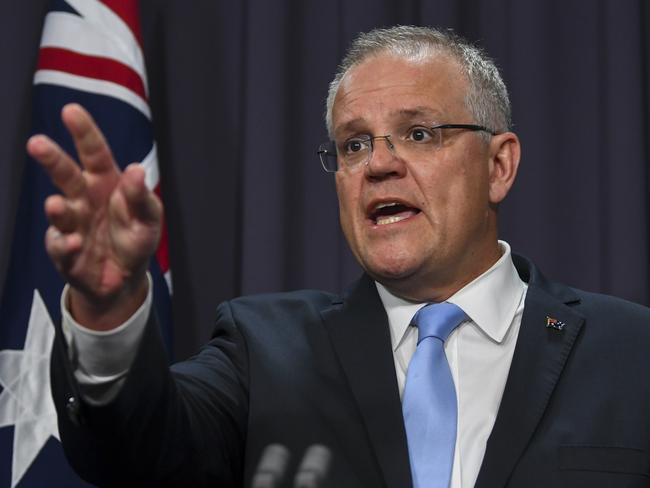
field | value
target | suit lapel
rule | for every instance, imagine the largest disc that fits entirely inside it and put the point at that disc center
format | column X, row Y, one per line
column 540, row 355
column 358, row 330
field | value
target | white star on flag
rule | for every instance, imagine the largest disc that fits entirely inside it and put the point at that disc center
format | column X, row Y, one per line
column 26, row 401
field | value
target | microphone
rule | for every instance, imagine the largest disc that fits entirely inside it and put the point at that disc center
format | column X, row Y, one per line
column 313, row 468
column 272, row 466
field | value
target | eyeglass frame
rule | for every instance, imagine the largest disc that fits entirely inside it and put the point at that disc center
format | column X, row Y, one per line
column 323, row 154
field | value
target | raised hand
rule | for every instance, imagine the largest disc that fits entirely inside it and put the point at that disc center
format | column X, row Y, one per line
column 104, row 227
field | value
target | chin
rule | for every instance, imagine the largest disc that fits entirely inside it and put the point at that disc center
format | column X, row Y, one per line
column 391, row 268
column 408, row 275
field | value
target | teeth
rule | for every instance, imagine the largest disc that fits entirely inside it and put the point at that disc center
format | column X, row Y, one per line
column 384, row 205
column 391, row 219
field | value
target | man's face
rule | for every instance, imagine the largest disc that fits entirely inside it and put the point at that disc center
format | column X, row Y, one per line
column 442, row 233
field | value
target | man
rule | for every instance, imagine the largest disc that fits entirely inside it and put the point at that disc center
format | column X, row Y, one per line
column 550, row 385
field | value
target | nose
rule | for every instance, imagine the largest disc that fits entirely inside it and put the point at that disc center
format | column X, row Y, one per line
column 384, row 161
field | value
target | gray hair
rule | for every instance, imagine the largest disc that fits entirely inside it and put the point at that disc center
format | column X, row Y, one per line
column 487, row 96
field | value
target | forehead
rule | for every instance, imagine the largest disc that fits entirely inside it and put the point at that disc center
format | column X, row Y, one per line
column 386, row 88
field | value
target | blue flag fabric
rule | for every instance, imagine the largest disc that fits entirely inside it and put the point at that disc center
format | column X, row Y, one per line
column 91, row 53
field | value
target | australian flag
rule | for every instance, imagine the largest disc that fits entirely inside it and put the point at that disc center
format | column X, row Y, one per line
column 90, row 53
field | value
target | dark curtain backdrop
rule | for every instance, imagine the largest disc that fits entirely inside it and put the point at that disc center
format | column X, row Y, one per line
column 238, row 89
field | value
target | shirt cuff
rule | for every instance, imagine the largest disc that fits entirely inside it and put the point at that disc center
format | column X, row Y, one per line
column 101, row 359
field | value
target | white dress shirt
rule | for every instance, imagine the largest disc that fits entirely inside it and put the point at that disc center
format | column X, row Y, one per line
column 479, row 352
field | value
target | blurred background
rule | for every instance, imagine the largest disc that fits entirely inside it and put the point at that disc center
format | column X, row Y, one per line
column 237, row 92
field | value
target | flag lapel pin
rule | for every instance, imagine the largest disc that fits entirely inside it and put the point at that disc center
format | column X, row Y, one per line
column 552, row 323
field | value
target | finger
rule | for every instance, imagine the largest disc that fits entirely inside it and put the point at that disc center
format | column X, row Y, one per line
column 93, row 150
column 62, row 247
column 62, row 169
column 62, row 214
column 143, row 204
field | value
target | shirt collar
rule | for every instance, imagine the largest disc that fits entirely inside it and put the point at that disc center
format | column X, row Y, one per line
column 490, row 301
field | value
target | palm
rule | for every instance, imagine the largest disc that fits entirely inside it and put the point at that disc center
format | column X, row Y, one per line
column 116, row 245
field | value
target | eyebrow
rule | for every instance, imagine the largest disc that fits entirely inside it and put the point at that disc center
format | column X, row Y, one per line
column 353, row 125
column 420, row 111
column 360, row 123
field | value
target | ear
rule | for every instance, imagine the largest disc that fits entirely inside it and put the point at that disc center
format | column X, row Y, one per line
column 504, row 153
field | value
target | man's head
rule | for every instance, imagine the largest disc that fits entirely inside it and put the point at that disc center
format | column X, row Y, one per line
column 420, row 212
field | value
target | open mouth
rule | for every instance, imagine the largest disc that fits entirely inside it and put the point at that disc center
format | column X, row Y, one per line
column 391, row 212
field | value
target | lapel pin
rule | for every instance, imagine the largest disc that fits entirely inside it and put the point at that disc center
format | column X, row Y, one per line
column 552, row 323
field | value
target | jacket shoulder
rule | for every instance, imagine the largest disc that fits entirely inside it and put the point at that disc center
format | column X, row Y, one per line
column 287, row 307
column 608, row 312
column 284, row 301
column 607, row 308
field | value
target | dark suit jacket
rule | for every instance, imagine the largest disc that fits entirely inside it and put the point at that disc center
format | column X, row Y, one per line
column 308, row 367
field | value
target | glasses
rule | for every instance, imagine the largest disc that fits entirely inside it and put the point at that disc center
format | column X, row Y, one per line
column 410, row 143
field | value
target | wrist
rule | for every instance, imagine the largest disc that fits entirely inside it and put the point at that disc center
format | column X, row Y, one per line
column 102, row 314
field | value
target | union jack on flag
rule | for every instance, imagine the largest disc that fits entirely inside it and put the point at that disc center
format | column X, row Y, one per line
column 91, row 53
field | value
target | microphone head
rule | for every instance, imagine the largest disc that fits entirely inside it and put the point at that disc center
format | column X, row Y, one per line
column 272, row 466
column 314, row 466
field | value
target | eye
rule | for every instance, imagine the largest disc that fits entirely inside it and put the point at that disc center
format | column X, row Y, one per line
column 352, row 146
column 419, row 134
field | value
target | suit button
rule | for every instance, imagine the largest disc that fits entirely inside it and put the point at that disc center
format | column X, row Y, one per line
column 72, row 407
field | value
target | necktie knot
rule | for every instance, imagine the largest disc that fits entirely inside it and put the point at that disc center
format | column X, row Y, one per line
column 438, row 320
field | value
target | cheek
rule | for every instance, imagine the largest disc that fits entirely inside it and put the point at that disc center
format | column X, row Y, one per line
column 438, row 187
column 455, row 192
column 472, row 200
column 348, row 202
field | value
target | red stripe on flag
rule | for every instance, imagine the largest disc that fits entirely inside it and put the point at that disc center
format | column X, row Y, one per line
column 128, row 12
column 162, row 253
column 58, row 59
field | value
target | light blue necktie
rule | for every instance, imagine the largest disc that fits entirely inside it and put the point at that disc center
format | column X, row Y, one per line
column 429, row 403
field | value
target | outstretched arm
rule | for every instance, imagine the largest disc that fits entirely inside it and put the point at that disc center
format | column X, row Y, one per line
column 159, row 427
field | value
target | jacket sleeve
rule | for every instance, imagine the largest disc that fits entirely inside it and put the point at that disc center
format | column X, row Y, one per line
column 178, row 426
